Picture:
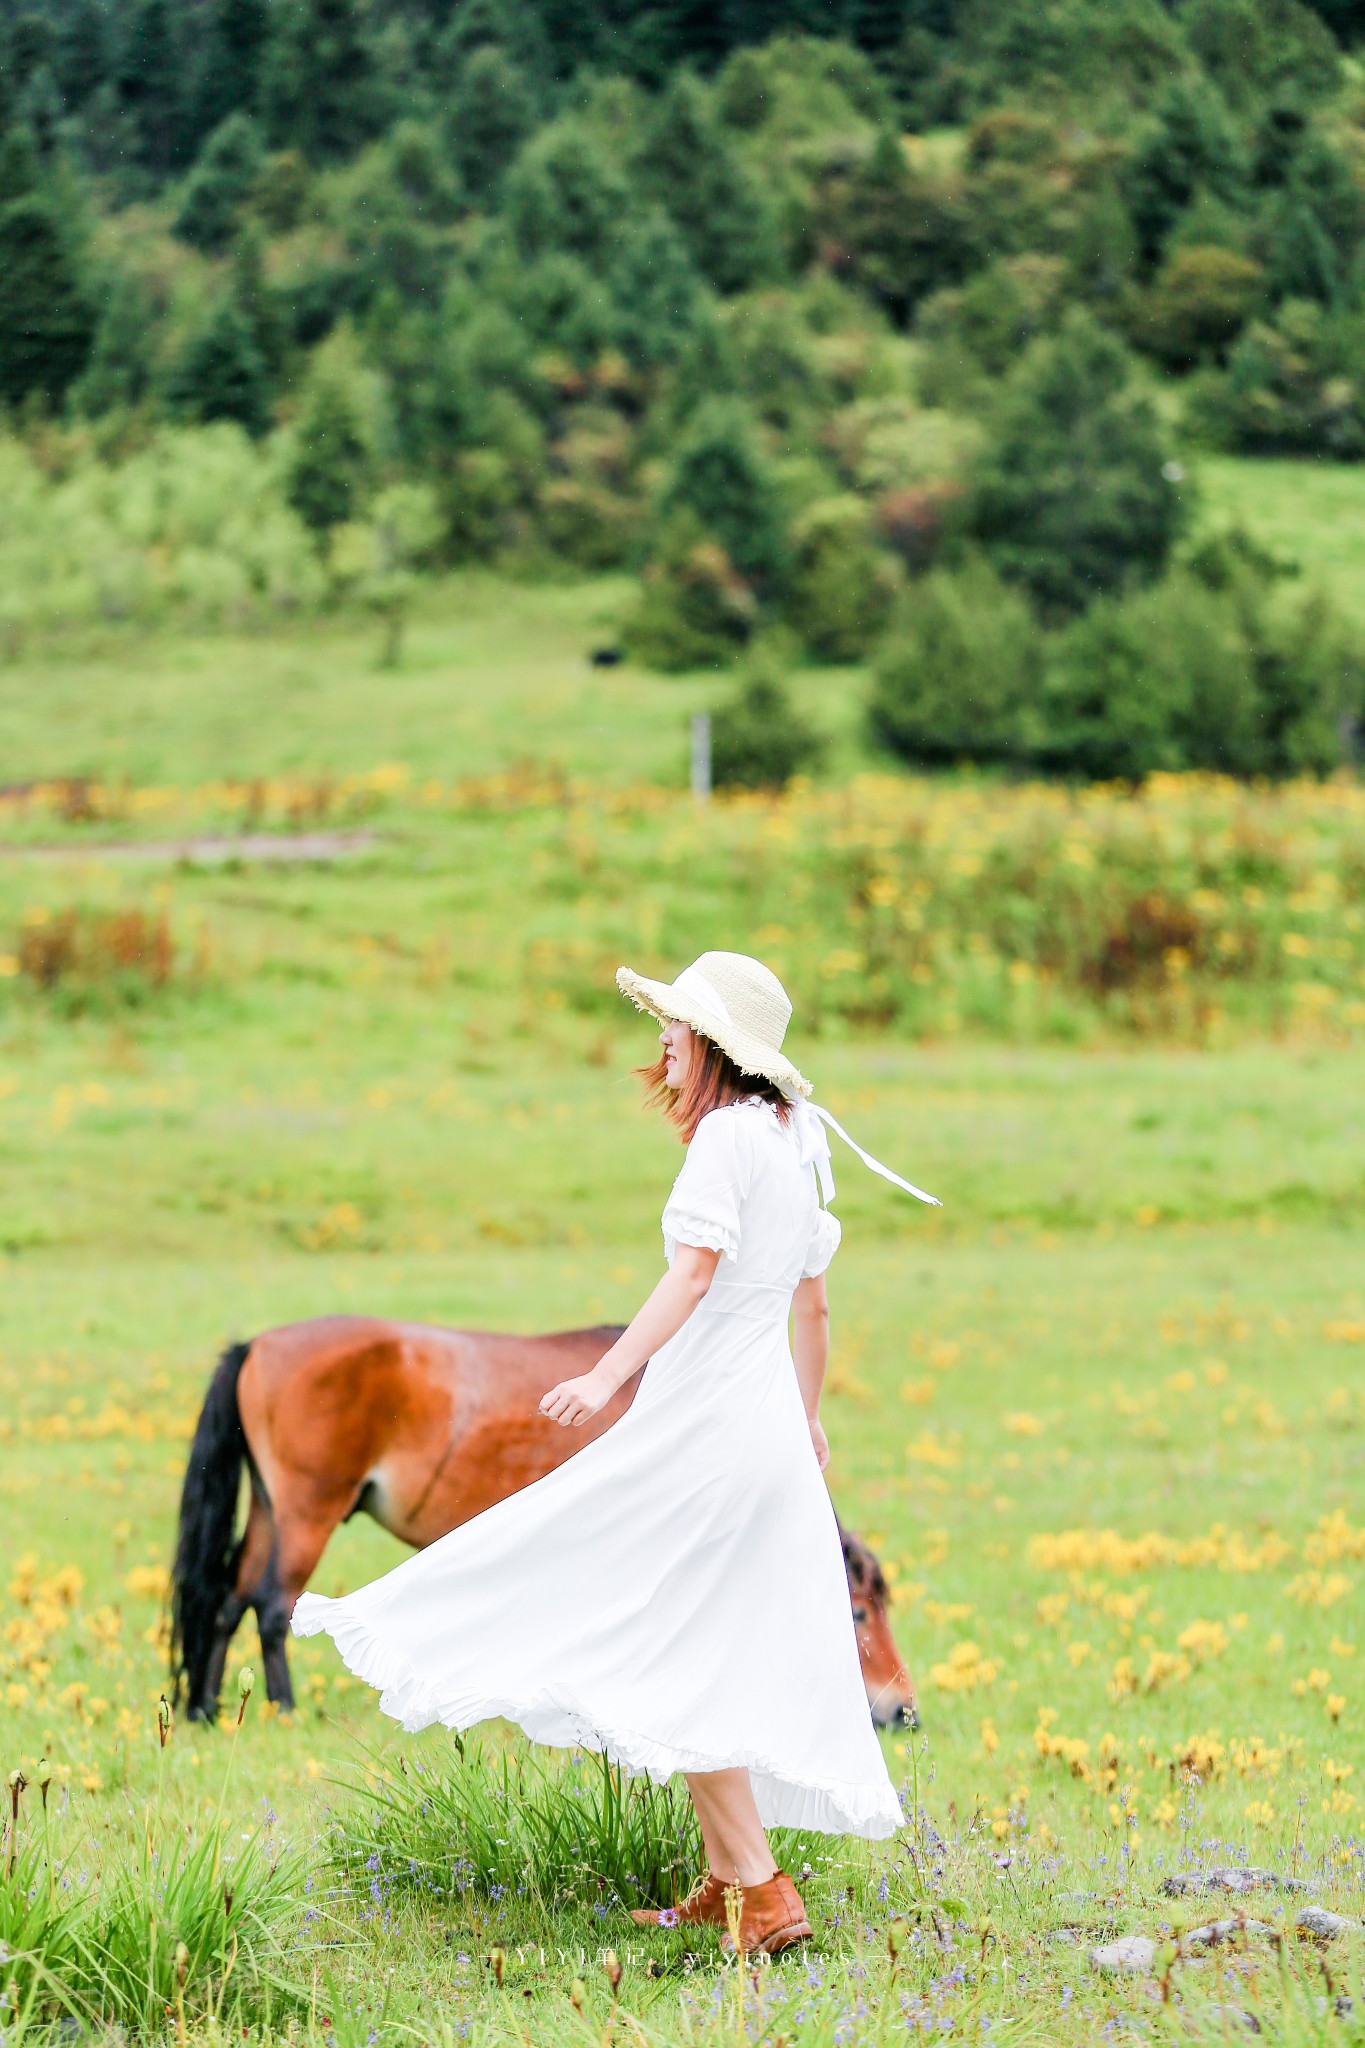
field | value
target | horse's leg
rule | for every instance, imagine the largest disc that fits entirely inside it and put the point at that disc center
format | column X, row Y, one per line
column 253, row 1555
column 272, row 1619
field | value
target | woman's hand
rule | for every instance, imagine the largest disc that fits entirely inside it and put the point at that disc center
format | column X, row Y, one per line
column 819, row 1440
column 572, row 1402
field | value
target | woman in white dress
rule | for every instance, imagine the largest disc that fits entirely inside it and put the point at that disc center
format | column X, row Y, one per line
column 675, row 1594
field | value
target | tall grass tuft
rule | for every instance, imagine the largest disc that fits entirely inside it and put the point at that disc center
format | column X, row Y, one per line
column 521, row 1822
column 176, row 1926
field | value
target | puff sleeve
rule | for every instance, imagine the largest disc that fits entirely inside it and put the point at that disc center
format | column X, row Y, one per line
column 704, row 1206
column 824, row 1243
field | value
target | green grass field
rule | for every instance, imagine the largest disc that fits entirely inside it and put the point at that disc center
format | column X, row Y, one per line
column 1102, row 1415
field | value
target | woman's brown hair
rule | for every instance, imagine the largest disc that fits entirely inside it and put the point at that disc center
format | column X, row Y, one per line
column 713, row 1079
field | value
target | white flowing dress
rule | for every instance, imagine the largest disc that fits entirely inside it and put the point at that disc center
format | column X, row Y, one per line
column 674, row 1595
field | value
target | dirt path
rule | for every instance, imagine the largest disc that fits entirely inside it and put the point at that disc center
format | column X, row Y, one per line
column 209, row 852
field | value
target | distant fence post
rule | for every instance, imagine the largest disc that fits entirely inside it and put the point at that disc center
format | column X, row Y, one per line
column 701, row 756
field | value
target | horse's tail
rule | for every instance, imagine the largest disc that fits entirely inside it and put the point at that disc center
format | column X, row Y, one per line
column 205, row 1550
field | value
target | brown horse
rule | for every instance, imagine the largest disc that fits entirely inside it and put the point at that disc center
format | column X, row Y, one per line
column 419, row 1427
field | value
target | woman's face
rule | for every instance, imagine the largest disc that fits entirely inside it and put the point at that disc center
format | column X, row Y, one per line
column 677, row 1041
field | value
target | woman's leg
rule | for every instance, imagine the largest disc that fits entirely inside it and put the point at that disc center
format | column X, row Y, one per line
column 736, row 1845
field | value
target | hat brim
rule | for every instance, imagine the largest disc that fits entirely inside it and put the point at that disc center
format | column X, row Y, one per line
column 671, row 1005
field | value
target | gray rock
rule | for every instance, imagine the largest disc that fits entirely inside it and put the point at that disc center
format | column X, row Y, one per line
column 1221, row 1930
column 1228, row 1877
column 1217, row 2020
column 1130, row 1953
column 1320, row 1925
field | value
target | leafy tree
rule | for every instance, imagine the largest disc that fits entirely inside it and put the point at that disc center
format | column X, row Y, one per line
column 565, row 192
column 959, row 670
column 902, row 233
column 759, row 740
column 720, row 477
column 1070, row 498
column 1198, row 305
column 46, row 320
column 227, row 169
column 1252, row 47
column 691, row 169
column 221, row 373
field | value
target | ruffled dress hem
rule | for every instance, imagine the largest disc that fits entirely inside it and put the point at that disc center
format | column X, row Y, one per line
column 555, row 1717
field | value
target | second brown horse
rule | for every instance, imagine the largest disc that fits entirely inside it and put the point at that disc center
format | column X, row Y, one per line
column 420, row 1428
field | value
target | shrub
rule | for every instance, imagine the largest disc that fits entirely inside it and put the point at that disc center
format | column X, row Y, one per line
column 842, row 583
column 1198, row 305
column 1205, row 670
column 695, row 610
column 193, row 525
column 758, row 738
column 1159, row 680
column 959, row 670
column 1069, row 498
column 1288, row 388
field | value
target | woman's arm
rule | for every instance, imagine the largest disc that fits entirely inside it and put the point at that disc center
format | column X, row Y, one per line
column 662, row 1316
column 810, row 1349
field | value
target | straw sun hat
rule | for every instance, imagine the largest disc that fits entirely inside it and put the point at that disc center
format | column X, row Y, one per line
column 733, row 1000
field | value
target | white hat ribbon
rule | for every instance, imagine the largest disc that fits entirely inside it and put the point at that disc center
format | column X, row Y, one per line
column 811, row 1120
column 694, row 983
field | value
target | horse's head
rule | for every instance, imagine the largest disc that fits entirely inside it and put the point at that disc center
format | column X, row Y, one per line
column 890, row 1690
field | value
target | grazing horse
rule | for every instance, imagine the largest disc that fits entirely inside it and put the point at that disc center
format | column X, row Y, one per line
column 420, row 1428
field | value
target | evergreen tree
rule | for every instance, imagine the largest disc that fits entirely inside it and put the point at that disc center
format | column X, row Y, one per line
column 224, row 175
column 119, row 370
column 1188, row 145
column 660, row 300
column 958, row 670
column 491, row 112
column 152, row 86
column 691, row 168
column 332, row 460
column 721, row 478
column 1070, row 498
column 320, row 86
column 229, row 72
column 46, row 321
column 222, row 374
column 83, row 58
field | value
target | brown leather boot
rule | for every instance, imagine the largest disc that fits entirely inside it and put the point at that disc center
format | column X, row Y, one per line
column 771, row 1918
column 703, row 1906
